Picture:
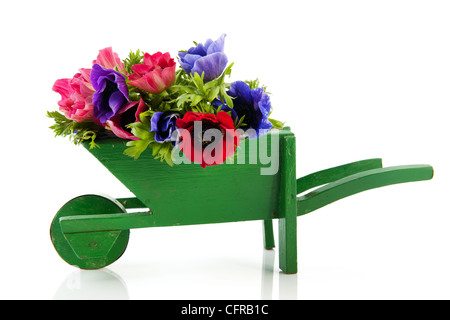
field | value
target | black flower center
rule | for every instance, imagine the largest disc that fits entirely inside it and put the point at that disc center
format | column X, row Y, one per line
column 128, row 117
column 247, row 111
column 205, row 140
column 110, row 88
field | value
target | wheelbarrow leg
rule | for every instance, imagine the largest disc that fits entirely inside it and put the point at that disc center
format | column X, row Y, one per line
column 269, row 241
column 287, row 225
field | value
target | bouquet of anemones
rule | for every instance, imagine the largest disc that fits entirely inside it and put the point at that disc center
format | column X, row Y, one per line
column 146, row 100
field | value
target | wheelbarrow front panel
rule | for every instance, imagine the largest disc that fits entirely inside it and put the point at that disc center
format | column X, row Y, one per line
column 186, row 194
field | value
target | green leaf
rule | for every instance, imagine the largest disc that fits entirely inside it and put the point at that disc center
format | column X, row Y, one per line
column 182, row 99
column 256, row 84
column 228, row 69
column 226, row 72
column 196, row 99
column 241, row 122
column 213, row 93
column 224, row 95
column 163, row 151
column 136, row 147
column 141, row 129
column 156, row 147
column 277, row 124
column 198, row 81
column 78, row 132
column 132, row 59
column 169, row 159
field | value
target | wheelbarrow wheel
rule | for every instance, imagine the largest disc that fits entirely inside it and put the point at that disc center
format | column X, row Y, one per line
column 89, row 250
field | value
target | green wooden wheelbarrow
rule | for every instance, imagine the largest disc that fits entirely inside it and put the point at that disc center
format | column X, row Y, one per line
column 92, row 231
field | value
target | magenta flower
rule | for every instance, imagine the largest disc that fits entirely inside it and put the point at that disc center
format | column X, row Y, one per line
column 128, row 114
column 155, row 74
column 76, row 96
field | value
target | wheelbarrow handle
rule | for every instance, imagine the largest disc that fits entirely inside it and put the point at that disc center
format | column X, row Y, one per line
column 332, row 174
column 359, row 182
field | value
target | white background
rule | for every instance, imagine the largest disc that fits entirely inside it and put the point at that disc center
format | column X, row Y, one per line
column 353, row 79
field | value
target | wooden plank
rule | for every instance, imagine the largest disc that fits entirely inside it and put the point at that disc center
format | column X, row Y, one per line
column 269, row 240
column 287, row 224
column 131, row 203
column 359, row 182
column 124, row 221
column 105, row 222
column 332, row 174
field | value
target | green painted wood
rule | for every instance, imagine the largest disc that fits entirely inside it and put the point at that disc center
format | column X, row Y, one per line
column 359, row 182
column 104, row 222
column 187, row 194
column 131, row 203
column 287, row 224
column 101, row 221
column 268, row 237
column 137, row 220
column 93, row 244
column 92, row 231
column 89, row 250
column 332, row 174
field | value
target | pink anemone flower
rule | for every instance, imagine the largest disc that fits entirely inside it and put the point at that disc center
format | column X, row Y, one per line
column 155, row 74
column 110, row 60
column 76, row 96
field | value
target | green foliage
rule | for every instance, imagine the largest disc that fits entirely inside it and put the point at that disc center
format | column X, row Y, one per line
column 78, row 132
column 141, row 129
column 197, row 96
column 277, row 124
column 253, row 84
column 136, row 147
column 163, row 151
column 132, row 59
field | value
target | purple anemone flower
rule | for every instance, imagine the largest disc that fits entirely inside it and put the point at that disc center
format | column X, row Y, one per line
column 111, row 92
column 252, row 104
column 208, row 58
column 164, row 124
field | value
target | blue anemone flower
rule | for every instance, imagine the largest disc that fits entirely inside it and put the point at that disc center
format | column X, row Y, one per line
column 164, row 125
column 251, row 104
column 208, row 58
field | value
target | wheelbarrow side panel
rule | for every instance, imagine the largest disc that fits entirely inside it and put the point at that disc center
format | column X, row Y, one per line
column 187, row 194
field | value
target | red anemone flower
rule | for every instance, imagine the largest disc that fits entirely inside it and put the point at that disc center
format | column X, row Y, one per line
column 207, row 139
